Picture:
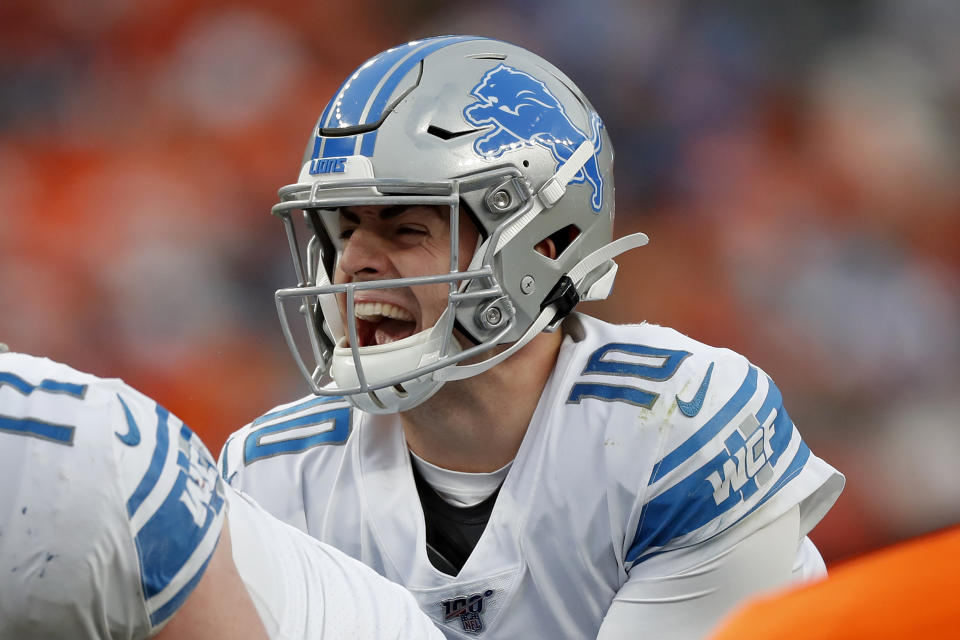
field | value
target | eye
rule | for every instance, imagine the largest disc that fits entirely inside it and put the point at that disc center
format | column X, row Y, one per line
column 411, row 231
column 345, row 234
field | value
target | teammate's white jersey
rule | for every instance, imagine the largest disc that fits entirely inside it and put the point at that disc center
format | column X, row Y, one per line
column 646, row 448
column 110, row 508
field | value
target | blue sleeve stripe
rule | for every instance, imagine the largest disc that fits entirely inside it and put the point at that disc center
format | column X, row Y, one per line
column 710, row 429
column 171, row 607
column 679, row 515
column 50, row 386
column 168, row 540
column 774, row 400
column 155, row 469
column 793, row 469
column 75, row 390
column 60, row 433
column 313, row 402
column 782, row 424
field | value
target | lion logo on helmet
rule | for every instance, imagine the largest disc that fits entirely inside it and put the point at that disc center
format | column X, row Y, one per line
column 524, row 112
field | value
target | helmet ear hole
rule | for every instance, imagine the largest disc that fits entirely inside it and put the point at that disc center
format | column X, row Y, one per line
column 557, row 242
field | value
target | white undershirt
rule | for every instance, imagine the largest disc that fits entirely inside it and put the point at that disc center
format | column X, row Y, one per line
column 459, row 488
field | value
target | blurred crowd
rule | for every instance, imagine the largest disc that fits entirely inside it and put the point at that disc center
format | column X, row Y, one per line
column 795, row 165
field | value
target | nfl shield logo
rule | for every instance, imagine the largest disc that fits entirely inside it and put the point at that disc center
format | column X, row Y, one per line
column 471, row 621
column 468, row 609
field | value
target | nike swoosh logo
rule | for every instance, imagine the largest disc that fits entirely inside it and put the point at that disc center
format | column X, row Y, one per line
column 132, row 437
column 692, row 407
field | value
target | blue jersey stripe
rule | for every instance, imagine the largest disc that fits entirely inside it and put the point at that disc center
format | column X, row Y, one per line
column 774, row 400
column 52, row 386
column 782, row 424
column 155, row 469
column 59, row 433
column 380, row 102
column 168, row 540
column 711, row 428
column 795, row 467
column 689, row 504
column 171, row 607
column 69, row 388
column 297, row 407
column 799, row 461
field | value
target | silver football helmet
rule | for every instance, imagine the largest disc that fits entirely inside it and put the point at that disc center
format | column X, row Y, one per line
column 463, row 123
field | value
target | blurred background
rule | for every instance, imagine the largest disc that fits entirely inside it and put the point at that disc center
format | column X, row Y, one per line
column 795, row 165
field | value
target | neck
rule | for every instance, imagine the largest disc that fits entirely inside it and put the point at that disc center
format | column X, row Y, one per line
column 477, row 424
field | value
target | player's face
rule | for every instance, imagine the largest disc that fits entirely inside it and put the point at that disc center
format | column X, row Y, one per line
column 387, row 242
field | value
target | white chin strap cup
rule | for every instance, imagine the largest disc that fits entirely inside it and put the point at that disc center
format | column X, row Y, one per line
column 381, row 363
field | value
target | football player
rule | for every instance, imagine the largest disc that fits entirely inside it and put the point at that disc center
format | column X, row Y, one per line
column 525, row 470
column 115, row 524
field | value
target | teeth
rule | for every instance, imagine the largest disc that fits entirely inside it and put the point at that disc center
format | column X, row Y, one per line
column 378, row 310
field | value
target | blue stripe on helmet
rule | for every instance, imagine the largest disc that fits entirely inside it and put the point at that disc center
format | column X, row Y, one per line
column 352, row 98
column 380, row 102
column 346, row 107
column 336, row 147
column 317, row 139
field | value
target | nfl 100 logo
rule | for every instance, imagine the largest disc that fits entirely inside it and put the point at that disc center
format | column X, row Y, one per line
column 468, row 609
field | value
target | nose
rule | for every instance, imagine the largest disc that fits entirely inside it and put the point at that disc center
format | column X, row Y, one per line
column 364, row 255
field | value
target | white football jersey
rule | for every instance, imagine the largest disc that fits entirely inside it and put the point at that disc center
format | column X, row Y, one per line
column 111, row 507
column 644, row 442
column 306, row 590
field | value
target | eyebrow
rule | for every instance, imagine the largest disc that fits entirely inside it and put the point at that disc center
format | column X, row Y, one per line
column 385, row 214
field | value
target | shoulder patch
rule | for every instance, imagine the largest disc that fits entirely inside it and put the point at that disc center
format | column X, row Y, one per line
column 738, row 459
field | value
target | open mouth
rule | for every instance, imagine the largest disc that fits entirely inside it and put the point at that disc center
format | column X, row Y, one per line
column 382, row 323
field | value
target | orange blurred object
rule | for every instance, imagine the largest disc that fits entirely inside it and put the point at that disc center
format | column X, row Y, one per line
column 905, row 591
